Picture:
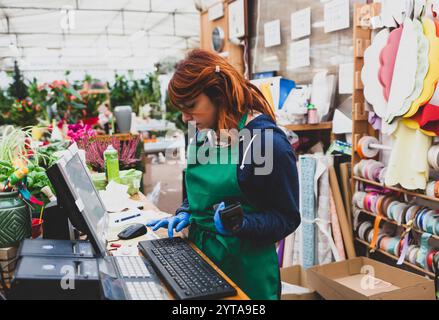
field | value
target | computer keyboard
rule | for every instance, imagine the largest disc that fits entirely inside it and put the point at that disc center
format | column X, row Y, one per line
column 188, row 275
column 138, row 281
column 132, row 267
column 144, row 290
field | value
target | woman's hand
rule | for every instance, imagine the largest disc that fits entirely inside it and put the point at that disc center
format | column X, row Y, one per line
column 179, row 221
column 219, row 226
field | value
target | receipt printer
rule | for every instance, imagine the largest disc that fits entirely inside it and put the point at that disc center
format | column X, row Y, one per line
column 56, row 248
column 52, row 278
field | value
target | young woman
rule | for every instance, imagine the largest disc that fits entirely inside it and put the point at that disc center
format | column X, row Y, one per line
column 211, row 93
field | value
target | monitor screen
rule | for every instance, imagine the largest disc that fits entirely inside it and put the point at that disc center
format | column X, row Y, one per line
column 90, row 203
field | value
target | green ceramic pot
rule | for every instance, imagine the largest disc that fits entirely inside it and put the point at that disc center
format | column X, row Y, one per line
column 15, row 219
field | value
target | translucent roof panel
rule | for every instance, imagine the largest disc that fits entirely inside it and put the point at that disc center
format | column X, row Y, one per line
column 104, row 35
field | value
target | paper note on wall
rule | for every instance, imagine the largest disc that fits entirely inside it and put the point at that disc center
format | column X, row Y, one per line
column 272, row 33
column 299, row 54
column 346, row 78
column 336, row 15
column 301, row 23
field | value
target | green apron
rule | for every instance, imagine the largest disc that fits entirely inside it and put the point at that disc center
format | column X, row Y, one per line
column 254, row 269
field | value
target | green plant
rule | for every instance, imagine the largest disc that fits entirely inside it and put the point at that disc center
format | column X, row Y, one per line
column 174, row 115
column 62, row 101
column 5, row 107
column 135, row 93
column 121, row 93
column 18, row 89
column 24, row 112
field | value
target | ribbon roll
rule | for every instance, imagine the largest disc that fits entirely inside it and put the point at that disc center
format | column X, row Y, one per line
column 381, row 236
column 421, row 259
column 433, row 157
column 368, row 147
column 358, row 199
column 411, row 212
column 430, row 256
column 413, row 254
column 370, row 169
column 429, row 191
column 436, row 263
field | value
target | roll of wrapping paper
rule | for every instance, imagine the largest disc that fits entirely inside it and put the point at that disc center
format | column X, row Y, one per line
column 347, row 194
column 307, row 207
column 341, row 213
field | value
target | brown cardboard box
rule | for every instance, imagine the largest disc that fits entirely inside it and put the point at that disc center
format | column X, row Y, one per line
column 7, row 262
column 296, row 275
column 366, row 279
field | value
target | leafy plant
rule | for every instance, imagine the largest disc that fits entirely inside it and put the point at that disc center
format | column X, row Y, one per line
column 135, row 93
column 94, row 149
column 15, row 148
column 24, row 112
column 5, row 107
column 18, row 89
column 62, row 101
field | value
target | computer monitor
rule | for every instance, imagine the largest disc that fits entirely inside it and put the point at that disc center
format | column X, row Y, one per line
column 79, row 197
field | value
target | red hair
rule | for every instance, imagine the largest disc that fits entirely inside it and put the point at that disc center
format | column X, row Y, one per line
column 206, row 72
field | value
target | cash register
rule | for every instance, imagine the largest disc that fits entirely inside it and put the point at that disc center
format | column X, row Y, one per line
column 45, row 263
column 40, row 268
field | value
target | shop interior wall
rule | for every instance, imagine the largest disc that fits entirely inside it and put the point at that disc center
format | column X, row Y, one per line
column 327, row 50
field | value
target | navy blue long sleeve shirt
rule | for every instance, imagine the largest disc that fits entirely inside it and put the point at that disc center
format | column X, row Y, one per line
column 276, row 194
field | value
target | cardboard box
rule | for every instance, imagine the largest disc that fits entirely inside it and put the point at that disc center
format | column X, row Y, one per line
column 366, row 279
column 8, row 262
column 296, row 275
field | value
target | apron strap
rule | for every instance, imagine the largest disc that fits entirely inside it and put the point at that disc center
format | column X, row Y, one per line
column 243, row 121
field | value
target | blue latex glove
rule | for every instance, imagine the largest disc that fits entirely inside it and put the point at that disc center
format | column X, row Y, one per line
column 217, row 219
column 179, row 222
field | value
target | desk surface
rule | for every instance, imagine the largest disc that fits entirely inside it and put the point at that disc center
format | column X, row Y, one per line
column 162, row 233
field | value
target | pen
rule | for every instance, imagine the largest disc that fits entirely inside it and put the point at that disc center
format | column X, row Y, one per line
column 128, row 218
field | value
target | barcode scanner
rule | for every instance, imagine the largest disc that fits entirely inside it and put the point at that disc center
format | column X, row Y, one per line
column 231, row 216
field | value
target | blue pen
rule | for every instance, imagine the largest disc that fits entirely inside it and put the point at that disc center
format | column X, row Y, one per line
column 128, row 218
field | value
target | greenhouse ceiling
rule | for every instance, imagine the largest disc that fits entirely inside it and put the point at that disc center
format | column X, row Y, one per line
column 53, row 35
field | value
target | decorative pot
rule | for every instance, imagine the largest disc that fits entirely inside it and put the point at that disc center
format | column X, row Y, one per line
column 15, row 219
column 123, row 116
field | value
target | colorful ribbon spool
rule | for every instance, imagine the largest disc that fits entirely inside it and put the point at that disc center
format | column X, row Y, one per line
column 369, row 147
column 411, row 213
column 358, row 199
column 380, row 238
column 430, row 257
column 433, row 157
column 436, row 263
column 412, row 253
column 370, row 169
column 364, row 227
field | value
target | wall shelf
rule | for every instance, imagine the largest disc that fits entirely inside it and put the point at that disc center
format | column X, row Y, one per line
column 411, row 265
column 384, row 218
column 309, row 127
column 407, row 192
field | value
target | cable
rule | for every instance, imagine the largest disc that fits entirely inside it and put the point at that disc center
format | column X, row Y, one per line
column 257, row 35
column 246, row 69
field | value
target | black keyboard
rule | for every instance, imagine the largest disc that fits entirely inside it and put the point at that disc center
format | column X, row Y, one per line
column 187, row 274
